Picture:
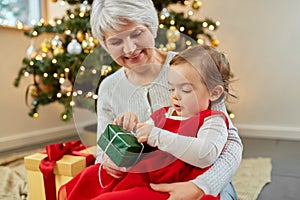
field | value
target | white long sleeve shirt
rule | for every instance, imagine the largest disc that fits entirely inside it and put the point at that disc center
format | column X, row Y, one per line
column 200, row 151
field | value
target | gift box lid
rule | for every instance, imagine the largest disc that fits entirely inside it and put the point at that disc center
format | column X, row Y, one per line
column 124, row 140
column 68, row 165
column 120, row 145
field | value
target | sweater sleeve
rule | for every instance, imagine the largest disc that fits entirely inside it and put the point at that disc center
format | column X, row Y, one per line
column 223, row 170
column 104, row 113
column 200, row 151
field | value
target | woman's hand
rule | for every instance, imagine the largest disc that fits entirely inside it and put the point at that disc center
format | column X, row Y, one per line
column 112, row 169
column 143, row 131
column 127, row 120
column 179, row 190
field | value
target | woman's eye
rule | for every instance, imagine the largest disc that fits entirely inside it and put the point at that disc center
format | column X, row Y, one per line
column 137, row 34
column 118, row 42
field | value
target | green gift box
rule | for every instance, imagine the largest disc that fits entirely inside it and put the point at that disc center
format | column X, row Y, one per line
column 121, row 146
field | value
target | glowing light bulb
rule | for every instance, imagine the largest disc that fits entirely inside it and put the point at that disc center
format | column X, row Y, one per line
column 34, row 33
column 33, row 22
column 26, row 74
column 190, row 13
column 79, row 92
column 19, row 25
column 211, row 27
column 95, row 96
column 82, row 68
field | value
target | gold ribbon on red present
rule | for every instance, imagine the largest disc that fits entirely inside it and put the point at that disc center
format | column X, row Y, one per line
column 55, row 152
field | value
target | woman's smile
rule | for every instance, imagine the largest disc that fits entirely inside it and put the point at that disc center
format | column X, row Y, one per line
column 136, row 57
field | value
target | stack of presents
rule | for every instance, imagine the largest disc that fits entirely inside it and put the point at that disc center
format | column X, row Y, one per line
column 59, row 163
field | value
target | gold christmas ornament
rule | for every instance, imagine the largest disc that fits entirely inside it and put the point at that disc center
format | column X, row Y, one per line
column 46, row 45
column 96, row 42
column 215, row 42
column 172, row 34
column 54, row 1
column 85, row 44
column 58, row 50
column 197, row 4
column 88, row 45
column 80, row 35
column 34, row 91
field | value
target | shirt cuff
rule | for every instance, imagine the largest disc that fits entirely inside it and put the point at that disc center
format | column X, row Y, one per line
column 153, row 137
column 200, row 184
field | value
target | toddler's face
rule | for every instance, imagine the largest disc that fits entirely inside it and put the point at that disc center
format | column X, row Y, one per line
column 188, row 93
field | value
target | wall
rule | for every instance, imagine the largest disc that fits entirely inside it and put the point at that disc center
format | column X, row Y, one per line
column 17, row 128
column 260, row 38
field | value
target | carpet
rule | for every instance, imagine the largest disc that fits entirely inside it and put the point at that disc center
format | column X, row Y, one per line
column 13, row 182
column 249, row 180
column 252, row 175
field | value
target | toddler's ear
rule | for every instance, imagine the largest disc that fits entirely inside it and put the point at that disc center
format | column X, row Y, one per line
column 216, row 93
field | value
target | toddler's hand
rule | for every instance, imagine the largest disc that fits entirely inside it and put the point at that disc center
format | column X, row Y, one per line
column 127, row 120
column 143, row 131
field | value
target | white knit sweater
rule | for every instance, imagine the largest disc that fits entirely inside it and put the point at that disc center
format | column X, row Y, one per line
column 117, row 95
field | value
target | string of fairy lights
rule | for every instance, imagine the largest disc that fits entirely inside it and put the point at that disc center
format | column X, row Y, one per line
column 60, row 57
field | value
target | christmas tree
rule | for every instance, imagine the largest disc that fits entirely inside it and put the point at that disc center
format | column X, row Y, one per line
column 62, row 56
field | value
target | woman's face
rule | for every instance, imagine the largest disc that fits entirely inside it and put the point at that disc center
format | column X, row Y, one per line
column 132, row 46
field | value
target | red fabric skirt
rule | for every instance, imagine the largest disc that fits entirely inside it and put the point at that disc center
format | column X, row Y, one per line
column 86, row 185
